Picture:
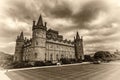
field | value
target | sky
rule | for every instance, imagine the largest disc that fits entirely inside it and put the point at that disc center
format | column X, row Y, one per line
column 98, row 21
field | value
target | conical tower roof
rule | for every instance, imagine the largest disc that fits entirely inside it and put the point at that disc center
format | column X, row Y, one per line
column 77, row 36
column 40, row 21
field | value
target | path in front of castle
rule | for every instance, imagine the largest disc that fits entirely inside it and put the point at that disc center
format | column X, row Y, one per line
column 104, row 71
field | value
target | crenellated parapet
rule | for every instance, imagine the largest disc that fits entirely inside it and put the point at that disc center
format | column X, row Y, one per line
column 27, row 42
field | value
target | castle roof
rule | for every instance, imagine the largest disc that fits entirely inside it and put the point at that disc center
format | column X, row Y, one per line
column 40, row 21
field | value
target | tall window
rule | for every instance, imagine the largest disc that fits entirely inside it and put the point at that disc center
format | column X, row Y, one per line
column 51, row 57
column 62, row 56
column 70, row 56
column 45, row 56
column 57, row 57
column 36, row 55
column 36, row 42
column 15, row 58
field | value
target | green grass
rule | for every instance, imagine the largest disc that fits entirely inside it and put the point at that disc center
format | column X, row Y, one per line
column 74, row 72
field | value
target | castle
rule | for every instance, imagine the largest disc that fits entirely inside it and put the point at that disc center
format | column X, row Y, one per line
column 47, row 45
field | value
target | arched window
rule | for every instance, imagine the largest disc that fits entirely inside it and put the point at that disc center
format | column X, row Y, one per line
column 36, row 55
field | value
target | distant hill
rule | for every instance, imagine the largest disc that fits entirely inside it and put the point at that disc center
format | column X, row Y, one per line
column 4, row 55
column 5, row 58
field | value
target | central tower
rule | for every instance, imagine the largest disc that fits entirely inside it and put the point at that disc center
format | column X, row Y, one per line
column 39, row 40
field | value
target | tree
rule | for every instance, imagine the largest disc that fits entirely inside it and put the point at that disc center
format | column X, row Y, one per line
column 103, row 56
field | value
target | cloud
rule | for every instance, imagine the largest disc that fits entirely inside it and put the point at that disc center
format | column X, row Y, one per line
column 81, row 17
column 89, row 11
column 59, row 10
column 7, row 47
column 97, row 20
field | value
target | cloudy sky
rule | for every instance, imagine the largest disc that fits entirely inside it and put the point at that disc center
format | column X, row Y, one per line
column 98, row 21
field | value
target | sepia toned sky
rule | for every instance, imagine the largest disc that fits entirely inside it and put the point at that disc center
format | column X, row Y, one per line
column 98, row 21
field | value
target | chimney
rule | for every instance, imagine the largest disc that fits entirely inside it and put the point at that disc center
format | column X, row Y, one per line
column 33, row 23
column 45, row 24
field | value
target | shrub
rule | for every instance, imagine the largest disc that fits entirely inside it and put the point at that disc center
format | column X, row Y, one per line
column 65, row 61
column 48, row 63
column 39, row 63
column 19, row 65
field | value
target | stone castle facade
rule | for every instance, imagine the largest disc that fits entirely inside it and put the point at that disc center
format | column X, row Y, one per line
column 47, row 45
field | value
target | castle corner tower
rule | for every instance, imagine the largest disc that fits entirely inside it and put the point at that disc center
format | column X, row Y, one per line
column 39, row 40
column 78, row 42
column 19, row 48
